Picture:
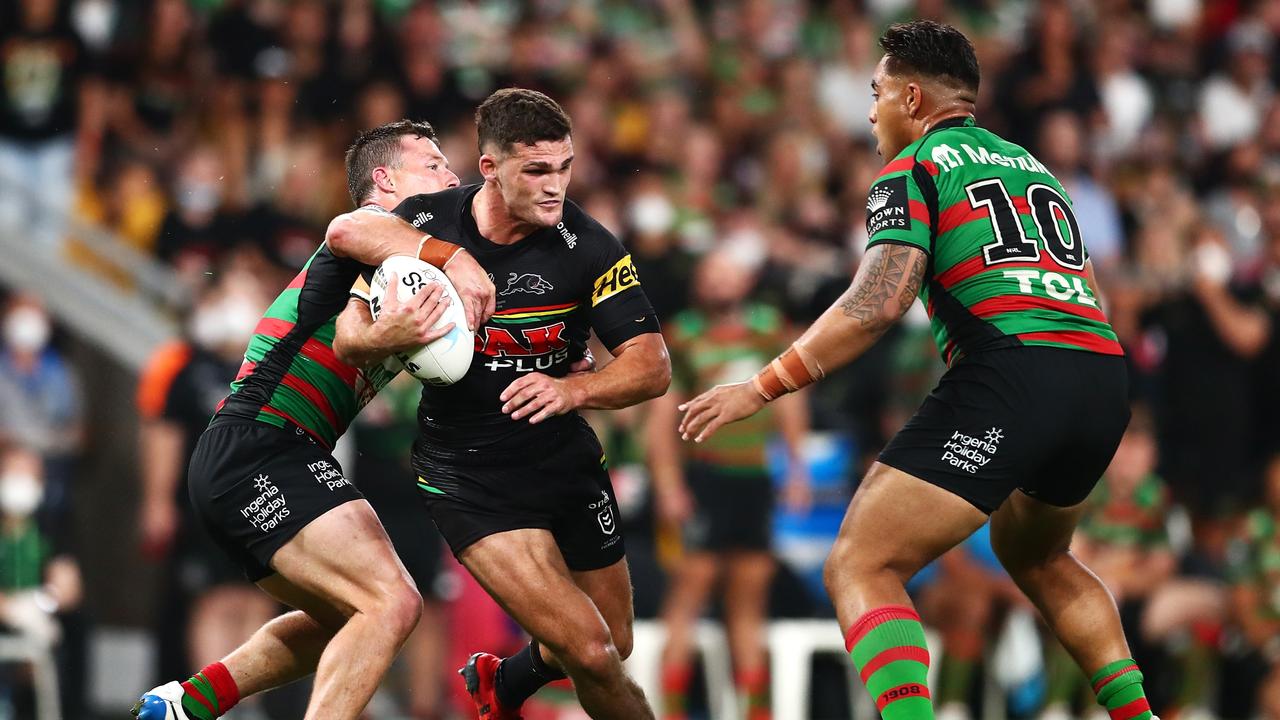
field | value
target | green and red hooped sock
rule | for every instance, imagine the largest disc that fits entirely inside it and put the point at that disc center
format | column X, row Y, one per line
column 753, row 688
column 888, row 647
column 210, row 693
column 1118, row 686
column 676, row 680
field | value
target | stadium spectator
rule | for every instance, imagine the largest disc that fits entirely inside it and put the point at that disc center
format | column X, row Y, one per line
column 40, row 582
column 41, row 401
column 51, row 115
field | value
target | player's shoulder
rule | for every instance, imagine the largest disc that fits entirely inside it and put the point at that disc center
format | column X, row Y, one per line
column 422, row 210
column 579, row 231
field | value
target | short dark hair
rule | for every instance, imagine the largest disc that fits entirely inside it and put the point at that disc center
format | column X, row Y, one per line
column 519, row 115
column 931, row 49
column 379, row 147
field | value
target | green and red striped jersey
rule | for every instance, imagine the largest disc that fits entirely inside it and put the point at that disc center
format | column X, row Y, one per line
column 290, row 373
column 1006, row 259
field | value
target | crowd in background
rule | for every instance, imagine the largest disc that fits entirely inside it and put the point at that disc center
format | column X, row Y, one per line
column 210, row 134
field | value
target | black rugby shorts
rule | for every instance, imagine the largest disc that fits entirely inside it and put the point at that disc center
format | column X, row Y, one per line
column 561, row 485
column 1038, row 419
column 254, row 486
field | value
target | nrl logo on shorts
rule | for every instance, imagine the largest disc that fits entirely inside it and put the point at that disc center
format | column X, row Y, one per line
column 531, row 283
column 607, row 524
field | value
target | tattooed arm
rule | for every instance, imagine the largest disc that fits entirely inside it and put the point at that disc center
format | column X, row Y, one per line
column 884, row 287
column 886, row 284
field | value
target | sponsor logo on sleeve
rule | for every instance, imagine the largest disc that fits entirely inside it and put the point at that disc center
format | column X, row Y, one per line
column 622, row 276
column 887, row 206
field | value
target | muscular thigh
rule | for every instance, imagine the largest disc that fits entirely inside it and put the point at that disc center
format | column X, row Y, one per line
column 525, row 573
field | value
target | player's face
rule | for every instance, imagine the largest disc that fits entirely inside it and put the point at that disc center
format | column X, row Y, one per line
column 533, row 180
column 423, row 169
column 889, row 116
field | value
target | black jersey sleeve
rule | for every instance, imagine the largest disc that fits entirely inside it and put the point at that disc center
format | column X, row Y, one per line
column 619, row 308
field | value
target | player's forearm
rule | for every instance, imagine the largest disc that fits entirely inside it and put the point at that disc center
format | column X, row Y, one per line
column 372, row 237
column 160, row 460
column 1243, row 329
column 355, row 339
column 662, row 446
column 792, row 412
column 641, row 370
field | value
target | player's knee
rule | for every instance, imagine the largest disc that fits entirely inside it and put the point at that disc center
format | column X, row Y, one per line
column 400, row 608
column 843, row 563
column 594, row 660
column 623, row 640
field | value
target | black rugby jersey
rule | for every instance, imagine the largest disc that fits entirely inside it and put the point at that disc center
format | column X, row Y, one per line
column 553, row 288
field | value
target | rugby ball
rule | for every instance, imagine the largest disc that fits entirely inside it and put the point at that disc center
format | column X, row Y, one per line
column 446, row 360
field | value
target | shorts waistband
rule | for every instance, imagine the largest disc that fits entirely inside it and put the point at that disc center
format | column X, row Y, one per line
column 289, row 428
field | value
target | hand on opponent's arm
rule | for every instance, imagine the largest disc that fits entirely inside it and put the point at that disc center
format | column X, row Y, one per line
column 402, row 326
column 640, row 370
column 372, row 237
column 886, row 284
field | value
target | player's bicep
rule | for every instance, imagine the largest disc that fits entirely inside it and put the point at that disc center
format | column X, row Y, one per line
column 619, row 310
column 898, row 212
column 887, row 282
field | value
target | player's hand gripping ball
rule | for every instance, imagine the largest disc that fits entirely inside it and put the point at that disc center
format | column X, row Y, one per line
column 446, row 360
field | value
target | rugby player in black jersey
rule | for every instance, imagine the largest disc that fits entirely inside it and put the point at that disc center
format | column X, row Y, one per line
column 514, row 478
column 262, row 479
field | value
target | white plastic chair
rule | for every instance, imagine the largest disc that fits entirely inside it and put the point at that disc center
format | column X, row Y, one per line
column 17, row 648
column 645, row 665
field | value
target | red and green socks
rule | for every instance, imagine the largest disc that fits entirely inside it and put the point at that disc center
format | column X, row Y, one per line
column 210, row 693
column 888, row 648
column 676, row 680
column 1119, row 689
column 753, row 688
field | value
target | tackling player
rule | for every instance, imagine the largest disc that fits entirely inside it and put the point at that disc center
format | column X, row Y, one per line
column 264, row 482
column 514, row 478
column 1026, row 418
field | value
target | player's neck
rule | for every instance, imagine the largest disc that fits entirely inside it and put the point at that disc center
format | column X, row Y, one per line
column 493, row 220
column 942, row 114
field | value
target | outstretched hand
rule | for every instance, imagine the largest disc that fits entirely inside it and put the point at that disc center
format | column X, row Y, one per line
column 716, row 407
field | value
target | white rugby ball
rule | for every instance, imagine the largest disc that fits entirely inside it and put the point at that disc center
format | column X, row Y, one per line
column 446, row 360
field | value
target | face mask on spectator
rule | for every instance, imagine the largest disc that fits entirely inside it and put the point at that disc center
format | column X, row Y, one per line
column 26, row 329
column 19, row 494
column 198, row 197
column 228, row 321
column 651, row 214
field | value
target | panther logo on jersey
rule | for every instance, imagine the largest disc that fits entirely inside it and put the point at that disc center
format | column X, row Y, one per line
column 531, row 283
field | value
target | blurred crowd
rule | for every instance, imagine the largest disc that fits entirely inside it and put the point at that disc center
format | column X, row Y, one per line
column 717, row 139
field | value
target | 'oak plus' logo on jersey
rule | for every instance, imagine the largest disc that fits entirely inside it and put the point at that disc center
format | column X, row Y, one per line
column 887, row 206
column 525, row 350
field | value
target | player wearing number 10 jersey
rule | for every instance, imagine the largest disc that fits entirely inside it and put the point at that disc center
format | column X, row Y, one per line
column 1029, row 412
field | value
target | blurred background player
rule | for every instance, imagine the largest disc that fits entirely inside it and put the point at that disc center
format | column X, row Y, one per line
column 1255, row 596
column 720, row 494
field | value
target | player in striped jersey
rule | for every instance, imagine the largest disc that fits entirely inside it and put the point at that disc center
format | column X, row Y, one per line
column 1029, row 412
column 264, row 482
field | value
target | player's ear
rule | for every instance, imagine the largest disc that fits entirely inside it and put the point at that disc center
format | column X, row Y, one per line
column 914, row 98
column 382, row 180
column 489, row 167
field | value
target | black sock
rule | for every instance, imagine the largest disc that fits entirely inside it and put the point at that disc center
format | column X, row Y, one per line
column 522, row 675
